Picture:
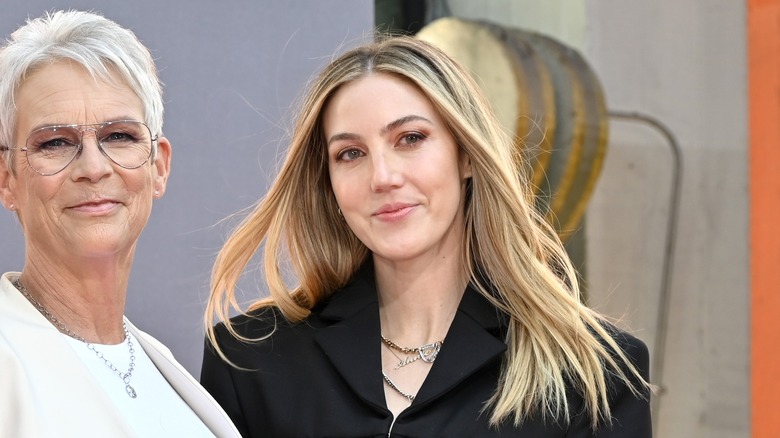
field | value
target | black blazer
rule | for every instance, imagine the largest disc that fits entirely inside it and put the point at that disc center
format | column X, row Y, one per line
column 321, row 377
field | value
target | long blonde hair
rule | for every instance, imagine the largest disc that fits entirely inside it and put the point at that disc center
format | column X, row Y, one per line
column 552, row 338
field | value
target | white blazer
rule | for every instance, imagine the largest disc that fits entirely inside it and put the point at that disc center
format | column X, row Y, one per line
column 46, row 390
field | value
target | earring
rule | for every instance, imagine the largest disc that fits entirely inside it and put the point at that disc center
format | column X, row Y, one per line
column 156, row 193
column 11, row 207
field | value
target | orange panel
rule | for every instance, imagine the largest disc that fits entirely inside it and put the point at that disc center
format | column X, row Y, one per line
column 764, row 127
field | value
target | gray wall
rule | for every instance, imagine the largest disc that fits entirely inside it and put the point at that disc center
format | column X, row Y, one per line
column 233, row 71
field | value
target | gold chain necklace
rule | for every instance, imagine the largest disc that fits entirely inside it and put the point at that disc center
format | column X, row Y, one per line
column 426, row 352
column 402, row 361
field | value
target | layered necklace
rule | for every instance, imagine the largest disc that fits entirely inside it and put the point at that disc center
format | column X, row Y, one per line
column 427, row 353
column 125, row 376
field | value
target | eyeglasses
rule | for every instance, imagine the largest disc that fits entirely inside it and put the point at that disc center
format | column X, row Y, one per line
column 50, row 149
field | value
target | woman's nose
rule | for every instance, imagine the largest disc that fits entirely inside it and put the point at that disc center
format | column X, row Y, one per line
column 386, row 172
column 90, row 162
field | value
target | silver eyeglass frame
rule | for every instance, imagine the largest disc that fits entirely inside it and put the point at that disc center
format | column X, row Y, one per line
column 94, row 127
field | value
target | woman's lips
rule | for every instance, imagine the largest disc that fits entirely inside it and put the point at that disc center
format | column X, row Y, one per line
column 393, row 212
column 96, row 207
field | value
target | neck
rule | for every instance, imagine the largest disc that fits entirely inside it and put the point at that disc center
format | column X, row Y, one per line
column 89, row 301
column 417, row 303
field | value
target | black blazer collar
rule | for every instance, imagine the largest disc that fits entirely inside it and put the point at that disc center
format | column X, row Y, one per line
column 361, row 292
column 354, row 297
column 352, row 341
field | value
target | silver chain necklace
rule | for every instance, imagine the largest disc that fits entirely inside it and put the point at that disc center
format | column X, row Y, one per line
column 391, row 384
column 427, row 353
column 64, row 329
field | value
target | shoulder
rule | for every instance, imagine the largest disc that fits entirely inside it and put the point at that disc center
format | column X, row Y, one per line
column 634, row 349
column 628, row 396
column 629, row 400
column 268, row 320
column 8, row 291
column 262, row 329
column 254, row 324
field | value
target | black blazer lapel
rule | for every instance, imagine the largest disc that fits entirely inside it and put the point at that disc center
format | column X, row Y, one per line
column 472, row 342
column 352, row 343
column 351, row 339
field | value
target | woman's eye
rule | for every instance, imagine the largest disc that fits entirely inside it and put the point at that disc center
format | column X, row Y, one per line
column 55, row 143
column 118, row 137
column 412, row 138
column 349, row 155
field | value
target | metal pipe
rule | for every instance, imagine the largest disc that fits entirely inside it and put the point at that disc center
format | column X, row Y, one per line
column 662, row 319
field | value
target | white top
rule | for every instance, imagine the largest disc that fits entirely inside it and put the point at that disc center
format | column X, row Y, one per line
column 157, row 410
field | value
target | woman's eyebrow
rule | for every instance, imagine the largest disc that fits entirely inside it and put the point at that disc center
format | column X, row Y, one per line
column 389, row 127
column 399, row 122
column 343, row 136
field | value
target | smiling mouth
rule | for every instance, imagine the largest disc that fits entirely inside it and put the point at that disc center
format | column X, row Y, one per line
column 394, row 212
column 101, row 206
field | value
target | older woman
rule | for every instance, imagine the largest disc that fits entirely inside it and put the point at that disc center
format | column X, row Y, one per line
column 432, row 300
column 83, row 159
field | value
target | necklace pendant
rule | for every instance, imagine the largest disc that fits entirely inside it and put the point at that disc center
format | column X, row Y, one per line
column 406, row 361
column 130, row 391
column 428, row 352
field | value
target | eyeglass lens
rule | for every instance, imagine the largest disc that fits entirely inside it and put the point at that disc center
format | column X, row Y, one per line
column 126, row 143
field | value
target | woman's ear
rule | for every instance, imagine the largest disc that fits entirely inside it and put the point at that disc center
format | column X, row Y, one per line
column 464, row 165
column 6, row 195
column 162, row 166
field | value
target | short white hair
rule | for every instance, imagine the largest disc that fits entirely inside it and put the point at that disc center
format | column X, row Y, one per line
column 96, row 43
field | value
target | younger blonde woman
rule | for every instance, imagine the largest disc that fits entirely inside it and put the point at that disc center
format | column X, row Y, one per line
column 431, row 299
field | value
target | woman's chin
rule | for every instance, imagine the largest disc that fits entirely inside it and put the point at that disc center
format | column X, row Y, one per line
column 103, row 244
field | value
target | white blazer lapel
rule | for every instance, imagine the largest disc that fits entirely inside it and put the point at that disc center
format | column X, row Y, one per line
column 34, row 400
column 185, row 385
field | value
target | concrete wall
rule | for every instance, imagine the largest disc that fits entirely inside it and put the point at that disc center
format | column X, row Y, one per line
column 683, row 63
column 232, row 71
column 687, row 66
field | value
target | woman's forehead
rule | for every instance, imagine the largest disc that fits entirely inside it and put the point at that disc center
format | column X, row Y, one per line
column 64, row 92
